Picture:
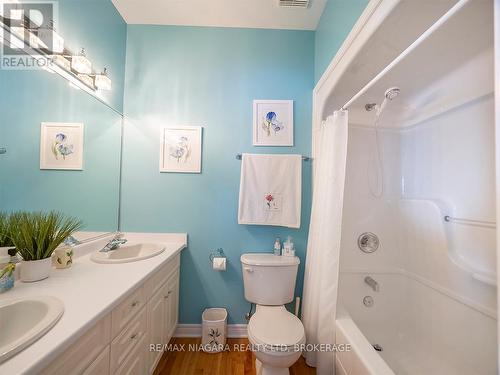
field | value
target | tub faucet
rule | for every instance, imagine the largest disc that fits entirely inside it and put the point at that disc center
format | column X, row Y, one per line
column 114, row 243
column 372, row 283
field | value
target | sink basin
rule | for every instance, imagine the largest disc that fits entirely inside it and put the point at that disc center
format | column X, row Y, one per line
column 25, row 320
column 128, row 253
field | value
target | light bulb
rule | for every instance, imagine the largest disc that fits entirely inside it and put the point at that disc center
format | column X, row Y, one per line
column 102, row 81
column 80, row 63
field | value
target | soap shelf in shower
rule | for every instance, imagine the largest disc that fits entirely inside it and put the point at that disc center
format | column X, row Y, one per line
column 483, row 276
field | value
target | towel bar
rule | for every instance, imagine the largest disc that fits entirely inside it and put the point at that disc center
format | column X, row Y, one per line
column 3, row 150
column 304, row 158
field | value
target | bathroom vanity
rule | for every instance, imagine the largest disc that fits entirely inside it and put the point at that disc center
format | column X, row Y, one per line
column 113, row 312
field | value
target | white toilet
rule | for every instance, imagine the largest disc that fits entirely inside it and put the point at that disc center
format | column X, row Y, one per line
column 275, row 334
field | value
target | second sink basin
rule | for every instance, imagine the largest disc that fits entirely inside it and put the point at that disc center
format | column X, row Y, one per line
column 25, row 320
column 128, row 253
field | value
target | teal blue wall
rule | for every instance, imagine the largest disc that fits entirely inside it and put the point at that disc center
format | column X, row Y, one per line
column 209, row 77
column 28, row 98
column 337, row 20
column 97, row 26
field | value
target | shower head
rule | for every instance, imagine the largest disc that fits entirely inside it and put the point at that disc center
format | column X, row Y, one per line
column 392, row 93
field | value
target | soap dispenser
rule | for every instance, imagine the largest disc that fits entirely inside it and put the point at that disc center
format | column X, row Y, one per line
column 288, row 250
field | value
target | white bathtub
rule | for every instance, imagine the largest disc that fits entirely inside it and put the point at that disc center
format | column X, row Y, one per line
column 421, row 328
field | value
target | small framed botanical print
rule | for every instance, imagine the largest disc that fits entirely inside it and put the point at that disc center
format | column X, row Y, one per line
column 273, row 122
column 61, row 146
column 180, row 149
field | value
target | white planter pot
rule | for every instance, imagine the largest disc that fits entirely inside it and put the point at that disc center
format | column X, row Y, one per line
column 35, row 270
column 5, row 250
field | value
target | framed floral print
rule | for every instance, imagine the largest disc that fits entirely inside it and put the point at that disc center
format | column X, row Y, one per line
column 61, row 146
column 273, row 122
column 180, row 149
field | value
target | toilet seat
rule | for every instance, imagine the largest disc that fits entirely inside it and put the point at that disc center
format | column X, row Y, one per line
column 273, row 328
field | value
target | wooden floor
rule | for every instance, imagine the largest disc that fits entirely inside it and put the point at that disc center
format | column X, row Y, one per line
column 236, row 361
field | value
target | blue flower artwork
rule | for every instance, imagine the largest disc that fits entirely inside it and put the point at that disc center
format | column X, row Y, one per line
column 181, row 151
column 60, row 146
column 271, row 124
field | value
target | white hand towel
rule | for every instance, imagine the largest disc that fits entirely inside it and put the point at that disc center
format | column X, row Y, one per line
column 270, row 190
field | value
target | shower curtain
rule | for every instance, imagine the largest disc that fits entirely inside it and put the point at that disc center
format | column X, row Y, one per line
column 323, row 247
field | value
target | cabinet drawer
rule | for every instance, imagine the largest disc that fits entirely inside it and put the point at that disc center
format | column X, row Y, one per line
column 101, row 364
column 123, row 345
column 161, row 276
column 85, row 350
column 123, row 313
column 135, row 364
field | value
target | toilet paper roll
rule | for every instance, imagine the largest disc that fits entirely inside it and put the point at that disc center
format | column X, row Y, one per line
column 219, row 264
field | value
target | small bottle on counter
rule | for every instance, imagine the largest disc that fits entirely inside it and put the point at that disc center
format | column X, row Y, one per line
column 7, row 269
column 277, row 246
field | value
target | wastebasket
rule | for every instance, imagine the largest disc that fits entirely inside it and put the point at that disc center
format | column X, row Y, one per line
column 214, row 330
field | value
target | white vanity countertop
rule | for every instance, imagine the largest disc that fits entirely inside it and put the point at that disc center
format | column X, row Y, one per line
column 89, row 291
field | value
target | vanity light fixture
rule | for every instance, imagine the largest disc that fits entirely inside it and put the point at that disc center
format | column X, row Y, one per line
column 80, row 63
column 102, row 81
column 27, row 31
column 85, row 78
column 49, row 34
column 62, row 61
column 42, row 42
column 15, row 14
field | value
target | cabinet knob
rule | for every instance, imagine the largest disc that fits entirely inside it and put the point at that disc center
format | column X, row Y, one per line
column 134, row 304
column 134, row 336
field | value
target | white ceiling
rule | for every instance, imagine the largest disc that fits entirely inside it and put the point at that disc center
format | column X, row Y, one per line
column 222, row 13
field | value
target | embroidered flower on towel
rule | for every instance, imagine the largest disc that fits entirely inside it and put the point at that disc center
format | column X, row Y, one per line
column 269, row 199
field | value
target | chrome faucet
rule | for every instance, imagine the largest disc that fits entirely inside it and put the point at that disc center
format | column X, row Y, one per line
column 71, row 241
column 114, row 243
column 372, row 283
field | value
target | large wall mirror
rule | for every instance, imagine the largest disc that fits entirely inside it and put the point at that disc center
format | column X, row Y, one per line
column 41, row 142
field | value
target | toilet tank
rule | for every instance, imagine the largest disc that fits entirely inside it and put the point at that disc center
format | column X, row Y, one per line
column 269, row 279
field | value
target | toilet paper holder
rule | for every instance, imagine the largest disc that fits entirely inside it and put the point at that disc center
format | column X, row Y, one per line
column 219, row 253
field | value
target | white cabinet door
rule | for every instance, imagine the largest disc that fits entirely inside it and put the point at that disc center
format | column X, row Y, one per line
column 173, row 305
column 156, row 319
column 171, row 295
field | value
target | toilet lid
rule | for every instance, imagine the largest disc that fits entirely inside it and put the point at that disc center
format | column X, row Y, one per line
column 275, row 326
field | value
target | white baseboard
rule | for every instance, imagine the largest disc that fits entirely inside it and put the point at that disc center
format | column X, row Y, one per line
column 194, row 330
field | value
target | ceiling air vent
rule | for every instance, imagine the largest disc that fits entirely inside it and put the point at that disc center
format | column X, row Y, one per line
column 294, row 3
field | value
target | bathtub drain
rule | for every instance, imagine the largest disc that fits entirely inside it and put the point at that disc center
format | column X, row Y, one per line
column 378, row 348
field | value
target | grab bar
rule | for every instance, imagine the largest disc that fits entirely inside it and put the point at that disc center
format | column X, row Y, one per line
column 477, row 223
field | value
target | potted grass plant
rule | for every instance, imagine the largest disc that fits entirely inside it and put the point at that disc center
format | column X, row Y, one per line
column 36, row 235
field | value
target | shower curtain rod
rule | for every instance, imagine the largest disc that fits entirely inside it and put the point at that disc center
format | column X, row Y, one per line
column 453, row 10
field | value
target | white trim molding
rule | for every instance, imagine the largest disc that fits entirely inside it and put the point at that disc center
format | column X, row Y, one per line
column 194, row 330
